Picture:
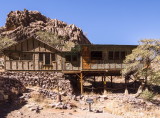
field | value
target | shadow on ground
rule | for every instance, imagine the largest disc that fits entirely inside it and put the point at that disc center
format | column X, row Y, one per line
column 11, row 105
column 8, row 107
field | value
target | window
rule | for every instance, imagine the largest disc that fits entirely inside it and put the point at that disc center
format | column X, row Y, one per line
column 68, row 57
column 110, row 55
column 26, row 56
column 47, row 59
column 74, row 58
column 53, row 57
column 123, row 55
column 40, row 56
column 14, row 56
column 116, row 55
column 96, row 55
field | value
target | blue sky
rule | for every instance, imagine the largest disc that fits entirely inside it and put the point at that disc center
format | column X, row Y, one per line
column 103, row 21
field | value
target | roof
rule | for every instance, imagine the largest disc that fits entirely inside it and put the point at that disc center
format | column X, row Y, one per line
column 106, row 45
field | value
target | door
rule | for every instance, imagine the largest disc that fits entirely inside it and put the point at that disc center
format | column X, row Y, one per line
column 85, row 57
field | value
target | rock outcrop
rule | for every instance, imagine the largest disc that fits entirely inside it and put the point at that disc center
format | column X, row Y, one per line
column 24, row 24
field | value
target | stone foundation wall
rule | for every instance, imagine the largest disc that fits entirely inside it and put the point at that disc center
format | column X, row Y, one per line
column 44, row 80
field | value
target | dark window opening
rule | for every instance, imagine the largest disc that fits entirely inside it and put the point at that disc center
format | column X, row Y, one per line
column 74, row 58
column 14, row 56
column 116, row 55
column 26, row 56
column 68, row 57
column 47, row 58
column 53, row 57
column 40, row 56
column 123, row 55
column 96, row 55
column 110, row 55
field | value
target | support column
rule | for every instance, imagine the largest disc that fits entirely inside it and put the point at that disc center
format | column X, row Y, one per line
column 102, row 78
column 94, row 82
column 81, row 82
column 111, row 82
column 105, row 88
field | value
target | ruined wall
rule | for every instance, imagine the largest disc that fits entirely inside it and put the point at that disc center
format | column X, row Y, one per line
column 49, row 81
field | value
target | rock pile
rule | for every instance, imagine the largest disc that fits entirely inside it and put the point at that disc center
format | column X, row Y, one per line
column 10, row 88
column 47, row 81
column 61, row 105
column 34, row 107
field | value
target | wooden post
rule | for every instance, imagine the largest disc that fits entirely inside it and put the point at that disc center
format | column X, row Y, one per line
column 111, row 82
column 105, row 88
column 94, row 81
column 102, row 79
column 81, row 82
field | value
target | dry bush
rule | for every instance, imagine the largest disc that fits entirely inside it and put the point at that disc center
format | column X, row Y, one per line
column 37, row 97
column 147, row 95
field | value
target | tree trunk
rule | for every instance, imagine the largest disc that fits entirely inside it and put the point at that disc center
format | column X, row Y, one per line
column 140, row 89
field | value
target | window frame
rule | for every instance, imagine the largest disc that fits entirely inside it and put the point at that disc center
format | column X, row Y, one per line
column 110, row 55
column 27, row 58
column 98, row 56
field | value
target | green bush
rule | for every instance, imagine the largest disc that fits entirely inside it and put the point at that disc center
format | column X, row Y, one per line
column 147, row 95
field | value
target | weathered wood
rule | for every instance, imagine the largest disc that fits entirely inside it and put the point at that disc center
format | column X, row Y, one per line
column 14, row 65
column 7, row 65
column 20, row 65
column 36, row 59
column 81, row 82
column 24, row 46
column 36, row 46
column 30, row 46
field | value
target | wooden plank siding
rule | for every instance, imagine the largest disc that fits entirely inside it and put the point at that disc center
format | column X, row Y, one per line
column 25, row 55
column 33, row 48
column 104, row 63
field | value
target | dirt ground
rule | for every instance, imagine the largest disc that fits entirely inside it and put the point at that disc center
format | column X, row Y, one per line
column 24, row 112
column 114, row 106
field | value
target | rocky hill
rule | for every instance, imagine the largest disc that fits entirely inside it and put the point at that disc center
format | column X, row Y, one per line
column 24, row 24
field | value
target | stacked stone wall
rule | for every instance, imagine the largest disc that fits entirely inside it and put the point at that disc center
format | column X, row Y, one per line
column 11, row 82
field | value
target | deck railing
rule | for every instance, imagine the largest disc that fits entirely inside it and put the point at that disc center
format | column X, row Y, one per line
column 98, row 65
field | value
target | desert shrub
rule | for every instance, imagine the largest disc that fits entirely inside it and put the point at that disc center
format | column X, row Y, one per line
column 37, row 97
column 147, row 95
column 5, row 42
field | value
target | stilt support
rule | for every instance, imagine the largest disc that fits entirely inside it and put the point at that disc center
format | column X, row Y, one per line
column 94, row 82
column 81, row 82
column 111, row 82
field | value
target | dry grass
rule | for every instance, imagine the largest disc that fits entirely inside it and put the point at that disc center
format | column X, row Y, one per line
column 127, row 111
column 37, row 97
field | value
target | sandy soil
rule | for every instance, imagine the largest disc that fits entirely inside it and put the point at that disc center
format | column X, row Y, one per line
column 24, row 112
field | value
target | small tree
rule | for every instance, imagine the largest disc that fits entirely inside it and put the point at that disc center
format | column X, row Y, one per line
column 5, row 42
column 143, row 62
column 59, row 42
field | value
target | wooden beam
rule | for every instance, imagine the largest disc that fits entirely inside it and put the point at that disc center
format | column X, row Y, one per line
column 81, row 82
column 27, row 45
